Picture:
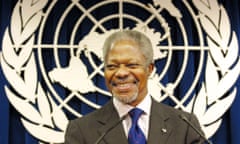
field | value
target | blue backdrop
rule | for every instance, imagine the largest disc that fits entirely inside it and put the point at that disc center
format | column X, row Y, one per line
column 11, row 128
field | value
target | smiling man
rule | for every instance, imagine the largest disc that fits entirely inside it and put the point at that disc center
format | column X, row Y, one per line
column 131, row 116
column 127, row 71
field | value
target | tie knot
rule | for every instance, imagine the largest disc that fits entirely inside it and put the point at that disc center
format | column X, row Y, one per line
column 135, row 114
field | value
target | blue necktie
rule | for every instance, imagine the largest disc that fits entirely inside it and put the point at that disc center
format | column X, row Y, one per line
column 135, row 135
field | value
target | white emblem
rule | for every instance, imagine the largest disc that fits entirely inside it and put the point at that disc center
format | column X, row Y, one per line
column 42, row 108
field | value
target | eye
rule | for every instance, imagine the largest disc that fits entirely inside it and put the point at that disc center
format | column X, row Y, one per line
column 133, row 65
column 111, row 66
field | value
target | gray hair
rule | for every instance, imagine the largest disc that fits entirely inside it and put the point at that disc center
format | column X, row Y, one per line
column 142, row 40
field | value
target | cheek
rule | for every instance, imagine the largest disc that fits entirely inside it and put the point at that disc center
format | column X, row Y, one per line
column 107, row 77
column 143, row 80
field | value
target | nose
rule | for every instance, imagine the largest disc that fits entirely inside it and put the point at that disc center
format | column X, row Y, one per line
column 122, row 72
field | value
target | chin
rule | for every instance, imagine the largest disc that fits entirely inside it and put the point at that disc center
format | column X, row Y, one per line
column 126, row 99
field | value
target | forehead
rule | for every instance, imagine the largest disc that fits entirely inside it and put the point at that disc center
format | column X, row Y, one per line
column 125, row 49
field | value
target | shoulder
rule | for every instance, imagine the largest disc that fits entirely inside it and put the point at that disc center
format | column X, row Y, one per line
column 171, row 112
column 94, row 116
column 85, row 128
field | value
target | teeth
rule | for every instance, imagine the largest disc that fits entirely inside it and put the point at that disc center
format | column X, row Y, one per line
column 123, row 85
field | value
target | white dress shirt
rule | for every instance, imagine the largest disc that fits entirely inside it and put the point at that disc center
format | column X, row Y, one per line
column 143, row 121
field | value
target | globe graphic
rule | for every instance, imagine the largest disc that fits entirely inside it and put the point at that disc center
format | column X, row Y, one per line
column 72, row 67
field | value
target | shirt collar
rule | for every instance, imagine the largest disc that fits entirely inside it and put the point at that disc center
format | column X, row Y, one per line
column 123, row 108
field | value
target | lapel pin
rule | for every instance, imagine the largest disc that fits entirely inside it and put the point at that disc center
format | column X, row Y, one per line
column 164, row 130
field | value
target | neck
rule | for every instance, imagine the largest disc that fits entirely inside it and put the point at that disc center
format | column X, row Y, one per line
column 139, row 99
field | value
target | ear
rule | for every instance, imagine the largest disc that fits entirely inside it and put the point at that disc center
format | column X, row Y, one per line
column 150, row 68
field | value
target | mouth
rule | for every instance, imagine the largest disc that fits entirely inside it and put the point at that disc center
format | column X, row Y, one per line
column 124, row 87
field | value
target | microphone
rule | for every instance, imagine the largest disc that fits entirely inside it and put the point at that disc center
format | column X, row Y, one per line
column 108, row 130
column 185, row 119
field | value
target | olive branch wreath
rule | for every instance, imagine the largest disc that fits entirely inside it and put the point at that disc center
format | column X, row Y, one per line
column 47, row 122
column 222, row 70
column 41, row 116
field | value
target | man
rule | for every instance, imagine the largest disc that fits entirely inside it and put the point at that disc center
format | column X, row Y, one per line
column 128, row 57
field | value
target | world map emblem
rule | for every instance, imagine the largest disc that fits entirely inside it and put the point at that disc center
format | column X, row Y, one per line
column 54, row 72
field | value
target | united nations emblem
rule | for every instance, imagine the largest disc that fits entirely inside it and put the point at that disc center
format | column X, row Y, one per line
column 55, row 67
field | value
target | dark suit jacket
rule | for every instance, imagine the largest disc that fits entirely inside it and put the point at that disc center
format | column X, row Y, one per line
column 166, row 127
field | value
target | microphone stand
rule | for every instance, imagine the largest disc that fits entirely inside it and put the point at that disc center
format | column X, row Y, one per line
column 194, row 128
column 108, row 130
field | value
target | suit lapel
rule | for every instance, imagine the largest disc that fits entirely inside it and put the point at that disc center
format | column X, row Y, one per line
column 109, row 118
column 160, row 129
